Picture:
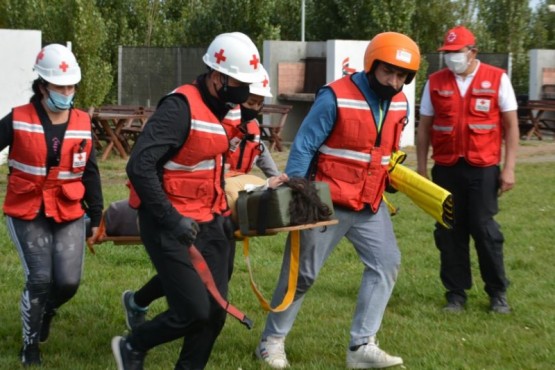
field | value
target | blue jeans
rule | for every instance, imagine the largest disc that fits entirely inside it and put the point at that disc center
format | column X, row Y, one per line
column 373, row 238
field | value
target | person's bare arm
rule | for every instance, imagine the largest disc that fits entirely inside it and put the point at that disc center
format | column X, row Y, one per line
column 511, row 136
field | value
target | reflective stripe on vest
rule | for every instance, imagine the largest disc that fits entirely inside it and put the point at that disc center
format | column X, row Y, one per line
column 349, row 160
column 193, row 176
column 351, row 154
column 32, row 186
column 469, row 126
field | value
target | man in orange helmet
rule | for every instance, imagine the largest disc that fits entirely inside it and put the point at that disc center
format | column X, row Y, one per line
column 346, row 141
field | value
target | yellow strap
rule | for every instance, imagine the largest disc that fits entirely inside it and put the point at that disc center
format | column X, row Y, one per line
column 392, row 209
column 293, row 274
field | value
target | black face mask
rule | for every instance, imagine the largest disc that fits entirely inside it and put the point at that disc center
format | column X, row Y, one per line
column 384, row 92
column 232, row 94
column 248, row 114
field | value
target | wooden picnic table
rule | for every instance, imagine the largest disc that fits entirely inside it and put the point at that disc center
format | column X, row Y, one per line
column 272, row 131
column 536, row 110
column 108, row 127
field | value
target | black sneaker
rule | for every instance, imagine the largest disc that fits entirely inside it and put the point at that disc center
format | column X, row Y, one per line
column 126, row 357
column 133, row 316
column 499, row 304
column 454, row 306
column 30, row 355
column 45, row 327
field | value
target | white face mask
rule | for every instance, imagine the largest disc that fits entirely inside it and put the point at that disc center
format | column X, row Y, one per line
column 457, row 62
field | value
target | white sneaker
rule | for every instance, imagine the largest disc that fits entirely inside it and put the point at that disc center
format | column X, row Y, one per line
column 370, row 356
column 272, row 351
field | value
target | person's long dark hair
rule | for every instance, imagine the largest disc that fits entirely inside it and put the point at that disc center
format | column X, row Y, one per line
column 306, row 207
column 37, row 94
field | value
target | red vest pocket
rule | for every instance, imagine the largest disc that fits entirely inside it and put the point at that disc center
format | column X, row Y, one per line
column 69, row 201
column 21, row 198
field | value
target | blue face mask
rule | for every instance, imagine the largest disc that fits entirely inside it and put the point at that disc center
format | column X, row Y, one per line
column 57, row 102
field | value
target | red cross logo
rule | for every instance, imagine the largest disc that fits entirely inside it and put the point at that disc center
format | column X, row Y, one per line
column 220, row 56
column 346, row 70
column 40, row 56
column 63, row 66
column 265, row 82
column 254, row 61
column 80, row 157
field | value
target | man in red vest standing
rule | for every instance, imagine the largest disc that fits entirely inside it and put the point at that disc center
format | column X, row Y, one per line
column 466, row 111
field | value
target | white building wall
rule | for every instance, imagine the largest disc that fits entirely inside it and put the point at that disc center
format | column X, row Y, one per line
column 19, row 50
column 539, row 59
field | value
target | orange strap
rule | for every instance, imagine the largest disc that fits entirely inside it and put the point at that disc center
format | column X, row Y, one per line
column 206, row 276
column 101, row 234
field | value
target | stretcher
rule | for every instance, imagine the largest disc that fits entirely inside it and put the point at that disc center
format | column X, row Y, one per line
column 430, row 197
column 197, row 260
column 102, row 237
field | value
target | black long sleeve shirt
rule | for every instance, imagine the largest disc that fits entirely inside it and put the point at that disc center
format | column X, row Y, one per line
column 93, row 198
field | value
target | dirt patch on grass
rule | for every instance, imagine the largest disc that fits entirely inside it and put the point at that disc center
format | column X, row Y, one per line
column 535, row 151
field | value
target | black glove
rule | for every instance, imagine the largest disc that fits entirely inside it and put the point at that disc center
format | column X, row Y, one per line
column 229, row 227
column 389, row 188
column 186, row 231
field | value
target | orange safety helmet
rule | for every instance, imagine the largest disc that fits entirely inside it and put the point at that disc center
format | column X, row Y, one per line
column 393, row 48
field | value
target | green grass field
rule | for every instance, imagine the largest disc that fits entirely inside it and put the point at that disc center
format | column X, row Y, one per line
column 414, row 325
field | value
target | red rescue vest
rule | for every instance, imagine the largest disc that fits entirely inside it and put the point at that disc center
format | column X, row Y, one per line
column 31, row 185
column 192, row 179
column 244, row 142
column 469, row 127
column 354, row 159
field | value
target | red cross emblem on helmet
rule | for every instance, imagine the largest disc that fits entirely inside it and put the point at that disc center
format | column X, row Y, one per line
column 220, row 56
column 254, row 61
column 40, row 56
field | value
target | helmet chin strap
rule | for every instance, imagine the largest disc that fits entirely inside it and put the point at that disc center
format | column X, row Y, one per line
column 224, row 79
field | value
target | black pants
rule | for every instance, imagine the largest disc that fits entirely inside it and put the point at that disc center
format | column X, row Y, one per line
column 52, row 257
column 153, row 289
column 474, row 192
column 192, row 314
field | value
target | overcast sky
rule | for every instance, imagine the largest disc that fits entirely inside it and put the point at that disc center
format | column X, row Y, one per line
column 533, row 3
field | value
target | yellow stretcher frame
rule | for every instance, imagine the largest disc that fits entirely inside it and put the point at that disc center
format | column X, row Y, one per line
column 430, row 197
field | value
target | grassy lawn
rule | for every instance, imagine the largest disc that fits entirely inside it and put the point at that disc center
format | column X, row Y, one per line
column 414, row 326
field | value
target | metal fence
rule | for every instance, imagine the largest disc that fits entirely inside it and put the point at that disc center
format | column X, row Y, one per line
column 145, row 74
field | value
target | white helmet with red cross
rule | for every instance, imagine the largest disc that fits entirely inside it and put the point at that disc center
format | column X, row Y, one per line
column 261, row 88
column 235, row 55
column 56, row 64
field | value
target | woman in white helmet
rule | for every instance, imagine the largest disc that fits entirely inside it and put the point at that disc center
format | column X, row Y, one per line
column 176, row 169
column 53, row 177
column 242, row 127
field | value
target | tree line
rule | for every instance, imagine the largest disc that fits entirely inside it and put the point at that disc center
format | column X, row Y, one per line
column 97, row 28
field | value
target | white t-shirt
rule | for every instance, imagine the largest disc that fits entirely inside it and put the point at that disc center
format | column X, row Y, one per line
column 507, row 97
